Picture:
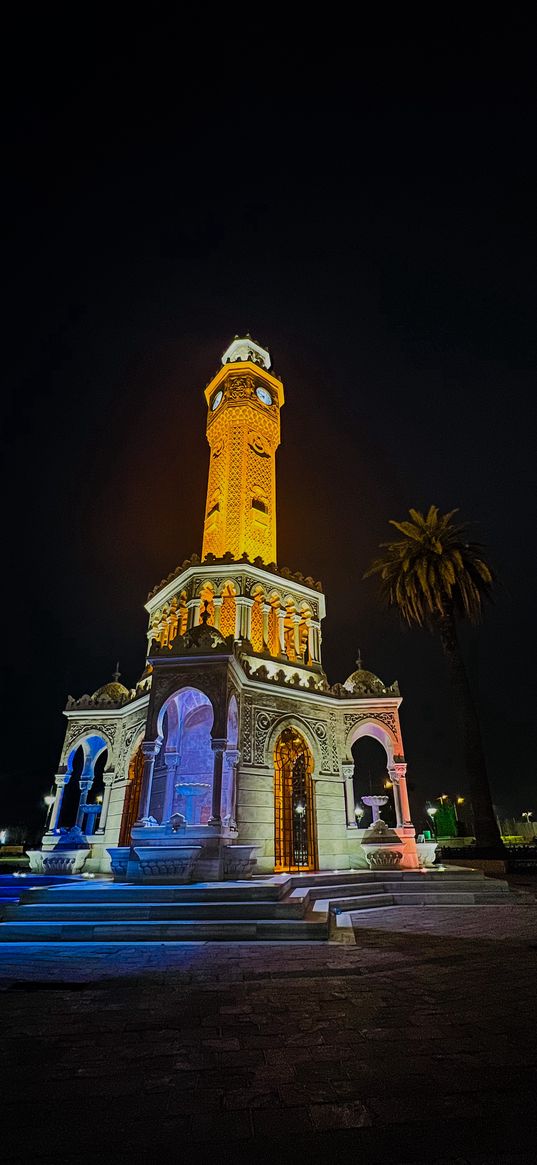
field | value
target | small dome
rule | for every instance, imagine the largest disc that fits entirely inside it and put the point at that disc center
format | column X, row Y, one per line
column 113, row 692
column 365, row 682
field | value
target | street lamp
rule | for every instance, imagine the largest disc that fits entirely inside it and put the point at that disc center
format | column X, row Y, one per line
column 358, row 813
column 48, row 800
column 432, row 810
column 300, row 810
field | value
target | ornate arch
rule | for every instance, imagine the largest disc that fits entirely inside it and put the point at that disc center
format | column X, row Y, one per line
column 277, row 724
column 379, row 729
column 74, row 741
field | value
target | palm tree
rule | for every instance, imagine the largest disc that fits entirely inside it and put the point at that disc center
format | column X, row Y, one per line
column 435, row 577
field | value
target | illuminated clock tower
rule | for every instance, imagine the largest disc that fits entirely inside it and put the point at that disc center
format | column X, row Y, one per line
column 243, row 431
column 233, row 751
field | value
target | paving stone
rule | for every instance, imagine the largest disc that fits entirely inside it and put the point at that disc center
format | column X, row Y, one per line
column 340, row 1116
column 427, row 1025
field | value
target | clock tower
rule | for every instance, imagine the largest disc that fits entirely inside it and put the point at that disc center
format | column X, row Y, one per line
column 243, row 431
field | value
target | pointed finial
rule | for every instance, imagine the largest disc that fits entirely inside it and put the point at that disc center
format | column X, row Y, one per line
column 359, row 663
column 116, row 674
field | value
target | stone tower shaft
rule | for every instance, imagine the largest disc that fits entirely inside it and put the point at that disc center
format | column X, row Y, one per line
column 243, row 431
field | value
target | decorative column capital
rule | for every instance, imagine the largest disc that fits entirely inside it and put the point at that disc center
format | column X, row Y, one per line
column 62, row 779
column 108, row 778
column 218, row 743
column 150, row 748
column 347, row 770
column 397, row 770
column 232, row 757
column 171, row 758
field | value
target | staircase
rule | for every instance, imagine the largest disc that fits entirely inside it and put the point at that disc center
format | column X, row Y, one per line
column 296, row 908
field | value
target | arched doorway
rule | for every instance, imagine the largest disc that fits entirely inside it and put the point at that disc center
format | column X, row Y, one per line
column 184, row 768
column 295, row 841
column 131, row 804
column 371, row 777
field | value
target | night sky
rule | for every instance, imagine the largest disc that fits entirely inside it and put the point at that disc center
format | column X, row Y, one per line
column 380, row 241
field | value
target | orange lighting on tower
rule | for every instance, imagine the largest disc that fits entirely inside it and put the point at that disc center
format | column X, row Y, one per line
column 243, row 431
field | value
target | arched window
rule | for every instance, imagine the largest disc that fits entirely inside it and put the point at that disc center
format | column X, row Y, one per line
column 304, row 633
column 182, row 614
column 165, row 626
column 256, row 621
column 228, row 610
column 289, row 631
column 207, row 597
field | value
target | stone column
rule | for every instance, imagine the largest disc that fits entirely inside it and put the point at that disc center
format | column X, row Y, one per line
column 60, row 781
column 150, row 750
column 347, row 772
column 85, row 786
column 218, row 746
column 231, row 759
column 397, row 774
column 108, row 781
column 244, row 606
column 172, row 761
column 315, row 644
column 281, row 631
column 266, row 613
column 217, row 606
column 296, row 621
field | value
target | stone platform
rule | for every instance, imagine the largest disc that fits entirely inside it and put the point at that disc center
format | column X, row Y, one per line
column 308, row 907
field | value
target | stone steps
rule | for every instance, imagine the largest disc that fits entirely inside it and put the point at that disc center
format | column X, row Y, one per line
column 265, row 930
column 96, row 892
column 285, row 908
column 407, row 888
column 154, row 911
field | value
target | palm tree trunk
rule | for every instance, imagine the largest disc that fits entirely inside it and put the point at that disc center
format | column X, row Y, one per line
column 487, row 833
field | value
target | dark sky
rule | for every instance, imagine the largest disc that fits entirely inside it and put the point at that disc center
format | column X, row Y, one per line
column 380, row 240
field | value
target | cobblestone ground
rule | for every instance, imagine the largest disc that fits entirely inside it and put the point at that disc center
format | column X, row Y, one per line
column 417, row 1045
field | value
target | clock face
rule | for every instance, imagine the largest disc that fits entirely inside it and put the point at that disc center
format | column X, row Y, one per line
column 263, row 395
column 217, row 400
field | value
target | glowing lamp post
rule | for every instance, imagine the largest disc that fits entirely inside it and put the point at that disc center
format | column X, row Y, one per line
column 527, row 814
column 300, row 812
column 48, row 800
column 432, row 810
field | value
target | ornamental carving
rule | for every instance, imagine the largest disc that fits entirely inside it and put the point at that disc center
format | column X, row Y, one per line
column 75, row 729
column 125, row 747
column 239, row 387
column 263, row 723
column 332, row 735
column 246, row 729
column 389, row 720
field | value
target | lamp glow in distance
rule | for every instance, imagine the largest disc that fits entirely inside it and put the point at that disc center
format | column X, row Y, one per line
column 48, row 800
column 300, row 810
column 432, row 810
